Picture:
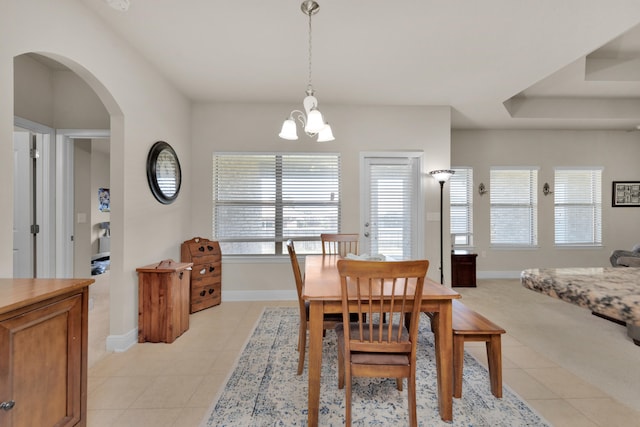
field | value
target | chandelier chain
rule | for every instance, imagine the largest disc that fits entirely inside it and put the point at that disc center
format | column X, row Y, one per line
column 309, row 86
column 311, row 119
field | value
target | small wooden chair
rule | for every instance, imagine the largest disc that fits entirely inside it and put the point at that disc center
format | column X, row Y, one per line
column 330, row 320
column 340, row 244
column 372, row 289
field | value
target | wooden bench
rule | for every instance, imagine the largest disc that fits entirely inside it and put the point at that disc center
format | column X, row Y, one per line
column 471, row 326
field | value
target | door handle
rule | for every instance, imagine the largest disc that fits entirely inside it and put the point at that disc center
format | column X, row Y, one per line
column 7, row 405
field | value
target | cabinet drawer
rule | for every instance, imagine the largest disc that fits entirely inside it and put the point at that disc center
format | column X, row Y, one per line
column 205, row 303
column 202, row 282
column 205, row 291
column 202, row 269
column 205, row 296
column 204, row 249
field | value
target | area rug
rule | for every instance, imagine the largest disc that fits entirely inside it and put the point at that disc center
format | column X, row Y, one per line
column 264, row 390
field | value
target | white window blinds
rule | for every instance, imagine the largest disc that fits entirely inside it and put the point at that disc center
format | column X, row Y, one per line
column 578, row 206
column 461, row 200
column 261, row 200
column 514, row 206
column 393, row 198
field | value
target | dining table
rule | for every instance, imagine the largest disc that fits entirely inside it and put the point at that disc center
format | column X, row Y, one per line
column 322, row 290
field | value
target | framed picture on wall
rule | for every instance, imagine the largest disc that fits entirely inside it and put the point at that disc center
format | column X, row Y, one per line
column 625, row 194
column 104, row 200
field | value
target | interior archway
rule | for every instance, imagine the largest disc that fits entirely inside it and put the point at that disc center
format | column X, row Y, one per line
column 67, row 75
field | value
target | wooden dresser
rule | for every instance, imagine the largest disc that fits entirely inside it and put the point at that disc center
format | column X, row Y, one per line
column 163, row 301
column 206, row 278
column 43, row 352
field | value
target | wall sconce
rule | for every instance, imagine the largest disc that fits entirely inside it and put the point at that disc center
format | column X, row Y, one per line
column 546, row 190
column 482, row 189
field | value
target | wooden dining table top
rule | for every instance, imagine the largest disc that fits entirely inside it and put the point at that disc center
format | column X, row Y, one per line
column 322, row 281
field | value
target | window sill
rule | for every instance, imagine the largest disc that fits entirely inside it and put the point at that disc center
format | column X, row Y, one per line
column 579, row 247
column 514, row 248
column 255, row 259
column 260, row 259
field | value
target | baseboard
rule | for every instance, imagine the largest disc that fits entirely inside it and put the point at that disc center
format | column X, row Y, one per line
column 498, row 274
column 122, row 343
column 279, row 295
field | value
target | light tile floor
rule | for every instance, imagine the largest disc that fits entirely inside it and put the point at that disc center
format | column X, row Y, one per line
column 174, row 384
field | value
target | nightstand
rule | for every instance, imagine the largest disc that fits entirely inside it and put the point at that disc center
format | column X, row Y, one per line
column 463, row 269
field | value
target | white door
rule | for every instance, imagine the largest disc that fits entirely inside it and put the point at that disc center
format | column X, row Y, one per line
column 33, row 206
column 23, row 244
column 391, row 204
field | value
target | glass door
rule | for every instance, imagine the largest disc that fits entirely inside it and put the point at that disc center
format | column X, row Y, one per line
column 391, row 205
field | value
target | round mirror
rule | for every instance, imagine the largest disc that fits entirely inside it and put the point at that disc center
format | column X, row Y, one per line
column 163, row 172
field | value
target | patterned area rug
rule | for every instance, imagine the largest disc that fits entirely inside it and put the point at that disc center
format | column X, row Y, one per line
column 264, row 389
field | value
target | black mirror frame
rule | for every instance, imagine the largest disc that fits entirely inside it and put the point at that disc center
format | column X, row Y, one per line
column 152, row 177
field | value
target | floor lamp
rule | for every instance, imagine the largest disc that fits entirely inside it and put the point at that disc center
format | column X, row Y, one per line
column 441, row 176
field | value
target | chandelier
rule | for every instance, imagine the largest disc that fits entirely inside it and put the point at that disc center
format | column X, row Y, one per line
column 312, row 122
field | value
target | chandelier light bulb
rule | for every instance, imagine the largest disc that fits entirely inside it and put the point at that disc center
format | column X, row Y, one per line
column 289, row 130
column 325, row 134
column 315, row 122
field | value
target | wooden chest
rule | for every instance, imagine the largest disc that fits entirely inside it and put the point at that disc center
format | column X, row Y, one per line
column 206, row 278
column 163, row 301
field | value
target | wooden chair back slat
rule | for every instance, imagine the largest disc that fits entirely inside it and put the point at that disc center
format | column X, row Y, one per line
column 381, row 340
column 340, row 243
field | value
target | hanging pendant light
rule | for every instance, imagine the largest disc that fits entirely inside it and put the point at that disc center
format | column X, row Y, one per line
column 311, row 119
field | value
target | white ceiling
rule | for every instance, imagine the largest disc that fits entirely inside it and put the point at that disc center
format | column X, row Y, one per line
column 567, row 64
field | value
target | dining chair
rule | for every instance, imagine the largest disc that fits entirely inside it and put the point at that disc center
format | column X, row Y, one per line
column 330, row 320
column 372, row 289
column 340, row 243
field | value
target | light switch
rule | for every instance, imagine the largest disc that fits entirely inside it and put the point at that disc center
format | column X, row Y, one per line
column 82, row 218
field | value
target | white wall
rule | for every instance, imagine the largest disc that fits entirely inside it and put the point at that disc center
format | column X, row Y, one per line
column 245, row 127
column 143, row 108
column 33, row 91
column 56, row 98
column 617, row 151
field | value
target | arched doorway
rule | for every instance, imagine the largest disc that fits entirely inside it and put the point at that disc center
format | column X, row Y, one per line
column 66, row 166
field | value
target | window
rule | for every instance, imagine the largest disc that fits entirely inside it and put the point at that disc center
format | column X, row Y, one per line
column 261, row 200
column 578, row 207
column 514, row 206
column 461, row 199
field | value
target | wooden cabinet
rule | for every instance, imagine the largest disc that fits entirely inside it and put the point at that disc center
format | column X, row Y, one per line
column 206, row 279
column 43, row 352
column 163, row 301
column 463, row 269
